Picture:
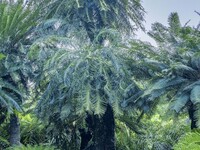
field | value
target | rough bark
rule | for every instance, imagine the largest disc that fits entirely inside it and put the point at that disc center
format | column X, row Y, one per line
column 100, row 132
column 191, row 111
column 14, row 130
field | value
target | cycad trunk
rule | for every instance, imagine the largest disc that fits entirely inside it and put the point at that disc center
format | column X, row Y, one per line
column 14, row 130
column 102, row 130
column 191, row 111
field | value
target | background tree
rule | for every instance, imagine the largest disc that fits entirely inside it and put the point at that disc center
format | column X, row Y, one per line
column 180, row 45
column 16, row 22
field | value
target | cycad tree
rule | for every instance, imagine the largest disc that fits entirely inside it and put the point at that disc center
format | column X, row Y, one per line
column 89, row 82
column 16, row 20
column 92, row 17
column 180, row 47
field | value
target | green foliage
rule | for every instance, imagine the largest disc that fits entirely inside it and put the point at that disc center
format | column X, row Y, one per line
column 32, row 130
column 125, row 138
column 180, row 77
column 159, row 131
column 29, row 147
column 75, row 76
column 85, row 79
column 16, row 20
column 190, row 141
column 98, row 14
column 3, row 137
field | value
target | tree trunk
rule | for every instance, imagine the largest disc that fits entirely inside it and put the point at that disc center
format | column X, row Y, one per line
column 101, row 132
column 191, row 111
column 14, row 130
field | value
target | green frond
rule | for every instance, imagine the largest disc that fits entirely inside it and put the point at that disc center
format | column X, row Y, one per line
column 180, row 101
column 195, row 61
column 65, row 111
column 189, row 87
column 91, row 78
column 16, row 21
column 9, row 102
column 117, row 108
column 195, row 94
column 174, row 23
column 99, row 107
column 125, row 15
column 191, row 141
column 158, row 32
column 184, row 71
column 163, row 84
column 88, row 103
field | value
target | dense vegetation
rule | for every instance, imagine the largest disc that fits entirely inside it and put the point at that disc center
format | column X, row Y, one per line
column 74, row 77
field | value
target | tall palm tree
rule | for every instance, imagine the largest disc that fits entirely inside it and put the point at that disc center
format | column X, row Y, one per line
column 16, row 20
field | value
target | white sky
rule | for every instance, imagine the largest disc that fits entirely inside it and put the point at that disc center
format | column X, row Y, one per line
column 159, row 10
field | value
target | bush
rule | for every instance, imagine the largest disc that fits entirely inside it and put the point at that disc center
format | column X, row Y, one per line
column 190, row 141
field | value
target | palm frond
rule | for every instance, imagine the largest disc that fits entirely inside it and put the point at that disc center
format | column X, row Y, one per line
column 195, row 94
column 174, row 23
column 180, row 101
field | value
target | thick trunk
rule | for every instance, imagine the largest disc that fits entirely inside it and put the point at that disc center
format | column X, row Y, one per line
column 101, row 131
column 109, row 129
column 191, row 111
column 14, row 130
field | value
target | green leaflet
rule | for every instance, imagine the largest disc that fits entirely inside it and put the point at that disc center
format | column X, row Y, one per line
column 156, row 86
column 9, row 101
column 66, row 110
column 195, row 61
column 195, row 94
column 88, row 103
column 180, row 102
column 163, row 84
column 99, row 105
column 174, row 23
column 185, row 71
column 2, row 56
column 2, row 139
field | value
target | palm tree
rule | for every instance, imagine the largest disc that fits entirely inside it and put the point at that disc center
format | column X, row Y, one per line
column 180, row 74
column 16, row 21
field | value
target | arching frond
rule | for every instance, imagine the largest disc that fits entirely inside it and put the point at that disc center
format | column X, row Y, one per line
column 84, row 80
column 95, row 15
column 174, row 23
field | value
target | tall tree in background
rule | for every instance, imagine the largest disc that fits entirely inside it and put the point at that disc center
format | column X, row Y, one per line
column 180, row 73
column 16, row 21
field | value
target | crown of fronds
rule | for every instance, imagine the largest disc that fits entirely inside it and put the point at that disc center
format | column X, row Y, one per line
column 16, row 20
column 79, row 79
column 182, row 69
column 97, row 14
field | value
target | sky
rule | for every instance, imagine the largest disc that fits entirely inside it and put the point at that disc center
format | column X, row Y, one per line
column 159, row 10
